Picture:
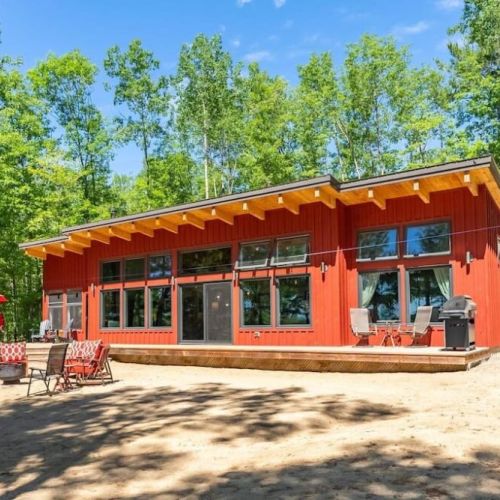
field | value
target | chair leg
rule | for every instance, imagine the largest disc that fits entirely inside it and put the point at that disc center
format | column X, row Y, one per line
column 29, row 385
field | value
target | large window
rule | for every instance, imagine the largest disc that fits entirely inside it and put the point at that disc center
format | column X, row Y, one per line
column 377, row 244
column 291, row 251
column 159, row 266
column 74, row 309
column 294, row 308
column 110, row 309
column 428, row 287
column 134, row 269
column 212, row 260
column 428, row 239
column 160, row 306
column 379, row 292
column 255, row 302
column 56, row 310
column 134, row 308
column 111, row 271
column 254, row 254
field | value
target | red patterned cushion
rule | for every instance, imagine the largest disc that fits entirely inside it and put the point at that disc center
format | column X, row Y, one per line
column 84, row 349
column 13, row 352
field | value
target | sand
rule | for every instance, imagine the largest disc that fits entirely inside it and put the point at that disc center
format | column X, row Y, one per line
column 184, row 432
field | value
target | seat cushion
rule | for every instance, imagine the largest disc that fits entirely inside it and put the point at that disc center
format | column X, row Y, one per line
column 13, row 352
column 84, row 349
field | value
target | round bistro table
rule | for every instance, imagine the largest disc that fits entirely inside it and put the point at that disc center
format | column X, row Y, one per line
column 11, row 373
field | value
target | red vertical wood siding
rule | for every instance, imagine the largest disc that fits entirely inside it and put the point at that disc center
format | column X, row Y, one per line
column 333, row 234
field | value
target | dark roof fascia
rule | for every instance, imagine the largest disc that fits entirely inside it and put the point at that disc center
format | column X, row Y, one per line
column 48, row 241
column 198, row 205
column 442, row 168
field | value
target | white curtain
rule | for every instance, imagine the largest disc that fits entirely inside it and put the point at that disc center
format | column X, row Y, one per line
column 442, row 275
column 369, row 282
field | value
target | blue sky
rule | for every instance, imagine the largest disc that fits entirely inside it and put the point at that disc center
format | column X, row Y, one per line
column 279, row 34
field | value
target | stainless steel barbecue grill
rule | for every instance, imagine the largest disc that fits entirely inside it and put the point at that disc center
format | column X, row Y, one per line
column 459, row 315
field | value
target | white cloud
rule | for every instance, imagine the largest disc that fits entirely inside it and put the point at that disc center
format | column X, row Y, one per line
column 412, row 29
column 279, row 3
column 235, row 42
column 258, row 56
column 449, row 4
column 241, row 3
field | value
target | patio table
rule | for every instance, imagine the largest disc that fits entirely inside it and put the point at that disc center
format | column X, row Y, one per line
column 391, row 332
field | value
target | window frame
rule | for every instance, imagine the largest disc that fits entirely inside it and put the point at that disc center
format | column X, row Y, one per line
column 59, row 305
column 242, row 312
column 125, row 306
column 408, row 291
column 267, row 264
column 304, row 262
column 164, row 254
column 149, row 308
column 68, row 304
column 180, row 259
column 101, row 309
column 101, row 274
column 406, row 255
column 400, row 290
column 124, row 268
column 277, row 305
column 378, row 230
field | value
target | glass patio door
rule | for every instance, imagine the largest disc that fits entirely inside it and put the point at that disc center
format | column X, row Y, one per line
column 206, row 312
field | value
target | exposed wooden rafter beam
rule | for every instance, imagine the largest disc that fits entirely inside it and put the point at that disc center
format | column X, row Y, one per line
column 327, row 199
column 140, row 227
column 79, row 240
column 290, row 205
column 193, row 220
column 70, row 247
column 161, row 223
column 54, row 250
column 421, row 191
column 36, row 252
column 251, row 209
column 222, row 215
column 469, row 182
column 119, row 233
column 95, row 236
column 377, row 199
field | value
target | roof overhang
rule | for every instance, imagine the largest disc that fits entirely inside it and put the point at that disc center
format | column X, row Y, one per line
column 419, row 182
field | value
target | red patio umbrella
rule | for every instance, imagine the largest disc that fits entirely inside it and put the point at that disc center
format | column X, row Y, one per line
column 3, row 298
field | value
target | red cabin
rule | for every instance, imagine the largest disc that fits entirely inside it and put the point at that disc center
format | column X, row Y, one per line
column 283, row 265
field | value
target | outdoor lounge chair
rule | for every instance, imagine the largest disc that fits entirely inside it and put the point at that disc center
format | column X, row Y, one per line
column 45, row 326
column 53, row 371
column 98, row 368
column 421, row 325
column 360, row 325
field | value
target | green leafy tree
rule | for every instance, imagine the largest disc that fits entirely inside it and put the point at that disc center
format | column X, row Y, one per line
column 65, row 84
column 475, row 76
column 145, row 98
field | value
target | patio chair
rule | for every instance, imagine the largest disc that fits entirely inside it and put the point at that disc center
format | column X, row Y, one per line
column 420, row 326
column 360, row 325
column 45, row 326
column 53, row 371
column 97, row 368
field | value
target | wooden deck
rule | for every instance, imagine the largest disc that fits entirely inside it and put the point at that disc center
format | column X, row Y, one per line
column 320, row 359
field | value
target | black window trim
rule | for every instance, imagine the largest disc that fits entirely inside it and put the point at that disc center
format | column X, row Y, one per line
column 266, row 265
column 426, row 223
column 124, row 309
column 149, row 308
column 277, row 305
column 242, row 315
column 181, row 252
column 101, row 306
column 400, row 289
column 377, row 230
column 304, row 262
column 407, row 285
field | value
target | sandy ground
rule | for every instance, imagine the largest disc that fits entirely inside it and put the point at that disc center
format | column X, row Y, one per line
column 181, row 432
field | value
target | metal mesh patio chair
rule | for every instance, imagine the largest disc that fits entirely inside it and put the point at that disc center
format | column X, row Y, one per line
column 360, row 324
column 420, row 326
column 53, row 371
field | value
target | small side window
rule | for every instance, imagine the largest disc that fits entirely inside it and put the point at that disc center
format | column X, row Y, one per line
column 255, row 254
column 291, row 251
